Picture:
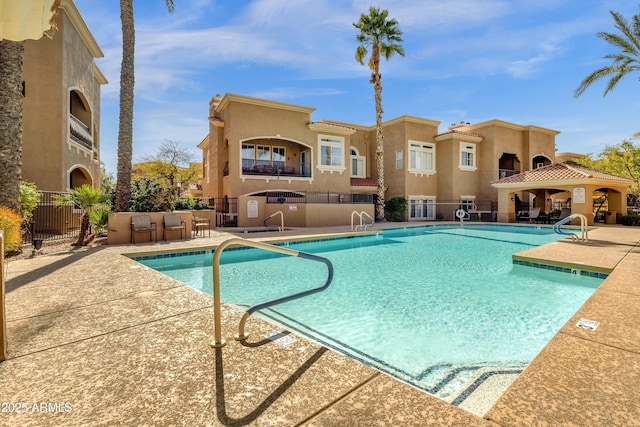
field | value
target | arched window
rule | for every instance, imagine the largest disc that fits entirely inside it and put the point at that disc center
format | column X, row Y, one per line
column 80, row 119
column 358, row 164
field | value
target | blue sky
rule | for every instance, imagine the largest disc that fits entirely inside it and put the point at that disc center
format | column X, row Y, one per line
column 466, row 60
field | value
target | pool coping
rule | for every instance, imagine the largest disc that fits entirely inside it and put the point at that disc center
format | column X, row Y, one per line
column 554, row 389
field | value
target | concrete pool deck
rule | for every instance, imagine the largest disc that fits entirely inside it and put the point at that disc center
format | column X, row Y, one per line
column 95, row 338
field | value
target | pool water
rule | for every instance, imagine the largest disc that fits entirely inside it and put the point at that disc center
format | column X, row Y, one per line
column 429, row 305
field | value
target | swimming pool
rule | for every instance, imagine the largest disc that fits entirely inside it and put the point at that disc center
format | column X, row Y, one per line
column 432, row 306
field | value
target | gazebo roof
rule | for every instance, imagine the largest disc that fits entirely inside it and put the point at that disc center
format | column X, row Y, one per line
column 561, row 173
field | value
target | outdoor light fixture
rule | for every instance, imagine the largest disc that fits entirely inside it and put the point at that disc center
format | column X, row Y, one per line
column 37, row 245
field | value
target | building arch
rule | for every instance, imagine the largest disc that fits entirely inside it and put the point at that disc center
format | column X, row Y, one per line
column 80, row 118
column 277, row 152
column 539, row 161
column 77, row 176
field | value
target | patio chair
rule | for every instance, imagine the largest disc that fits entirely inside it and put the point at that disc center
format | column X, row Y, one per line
column 174, row 222
column 140, row 224
column 530, row 216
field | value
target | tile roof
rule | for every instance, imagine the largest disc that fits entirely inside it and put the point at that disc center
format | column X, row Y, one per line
column 560, row 172
column 459, row 133
column 331, row 125
column 364, row 182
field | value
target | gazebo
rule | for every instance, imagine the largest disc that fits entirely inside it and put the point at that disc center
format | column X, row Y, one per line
column 575, row 187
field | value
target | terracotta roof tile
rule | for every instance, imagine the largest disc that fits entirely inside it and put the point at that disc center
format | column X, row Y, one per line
column 458, row 132
column 559, row 172
column 364, row 182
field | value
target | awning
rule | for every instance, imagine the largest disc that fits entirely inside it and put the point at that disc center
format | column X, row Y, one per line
column 27, row 19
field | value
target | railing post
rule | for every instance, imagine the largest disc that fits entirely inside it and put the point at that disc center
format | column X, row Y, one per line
column 3, row 320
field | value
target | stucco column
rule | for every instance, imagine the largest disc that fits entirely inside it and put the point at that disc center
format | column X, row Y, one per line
column 506, row 206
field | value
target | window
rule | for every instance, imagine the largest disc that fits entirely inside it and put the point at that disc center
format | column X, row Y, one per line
column 467, row 156
column 248, row 156
column 278, row 155
column 357, row 164
column 422, row 157
column 468, row 203
column 330, row 149
column 422, row 208
column 399, row 159
column 263, row 155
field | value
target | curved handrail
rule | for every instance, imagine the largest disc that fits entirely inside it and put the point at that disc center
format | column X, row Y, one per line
column 219, row 342
column 466, row 216
column 363, row 221
column 281, row 226
column 583, row 227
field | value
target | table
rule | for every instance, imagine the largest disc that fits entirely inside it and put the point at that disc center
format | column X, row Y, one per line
column 200, row 224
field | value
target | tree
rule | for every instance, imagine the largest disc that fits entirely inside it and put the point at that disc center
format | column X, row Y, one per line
column 383, row 37
column 623, row 62
column 87, row 199
column 11, row 59
column 172, row 163
column 127, row 83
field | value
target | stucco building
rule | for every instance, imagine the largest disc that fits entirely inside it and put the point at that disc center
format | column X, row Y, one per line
column 61, row 109
column 273, row 155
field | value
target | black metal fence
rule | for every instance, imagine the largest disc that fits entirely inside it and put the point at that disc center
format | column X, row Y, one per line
column 53, row 220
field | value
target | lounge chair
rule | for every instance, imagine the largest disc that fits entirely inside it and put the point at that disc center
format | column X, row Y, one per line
column 174, row 222
column 142, row 223
column 531, row 216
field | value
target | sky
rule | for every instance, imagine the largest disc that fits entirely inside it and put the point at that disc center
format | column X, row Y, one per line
column 466, row 60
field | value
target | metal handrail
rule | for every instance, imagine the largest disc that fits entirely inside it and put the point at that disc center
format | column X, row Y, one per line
column 219, row 342
column 583, row 227
column 363, row 222
column 281, row 226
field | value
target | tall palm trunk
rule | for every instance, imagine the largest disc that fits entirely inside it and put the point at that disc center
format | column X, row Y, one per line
column 376, row 79
column 11, row 58
column 125, row 129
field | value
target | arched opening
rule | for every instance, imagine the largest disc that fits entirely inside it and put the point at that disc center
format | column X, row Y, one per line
column 508, row 165
column 80, row 119
column 78, row 177
column 540, row 161
column 266, row 156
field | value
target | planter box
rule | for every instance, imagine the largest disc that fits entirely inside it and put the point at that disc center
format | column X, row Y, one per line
column 119, row 227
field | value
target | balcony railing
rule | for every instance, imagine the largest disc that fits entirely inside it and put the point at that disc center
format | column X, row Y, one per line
column 79, row 132
column 275, row 168
column 503, row 173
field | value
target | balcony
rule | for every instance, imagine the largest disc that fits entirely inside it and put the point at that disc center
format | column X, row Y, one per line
column 504, row 173
column 276, row 168
column 79, row 132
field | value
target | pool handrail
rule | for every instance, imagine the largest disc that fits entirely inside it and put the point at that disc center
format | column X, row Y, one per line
column 281, row 226
column 584, row 233
column 363, row 221
column 218, row 341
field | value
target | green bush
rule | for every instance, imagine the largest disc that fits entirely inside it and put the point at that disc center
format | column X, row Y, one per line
column 395, row 208
column 191, row 203
column 29, row 200
column 150, row 196
column 631, row 219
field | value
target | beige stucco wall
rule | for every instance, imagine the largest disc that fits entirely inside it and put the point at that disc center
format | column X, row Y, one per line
column 52, row 68
column 119, row 226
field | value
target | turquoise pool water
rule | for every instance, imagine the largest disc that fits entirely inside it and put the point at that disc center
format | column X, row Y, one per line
column 429, row 305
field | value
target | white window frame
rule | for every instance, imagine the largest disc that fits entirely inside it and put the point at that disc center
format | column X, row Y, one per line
column 468, row 148
column 426, row 206
column 468, row 203
column 359, row 160
column 335, row 156
column 416, row 151
column 399, row 159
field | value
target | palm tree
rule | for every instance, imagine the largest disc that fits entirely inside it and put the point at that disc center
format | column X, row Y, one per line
column 624, row 62
column 127, row 82
column 383, row 36
column 88, row 199
column 11, row 59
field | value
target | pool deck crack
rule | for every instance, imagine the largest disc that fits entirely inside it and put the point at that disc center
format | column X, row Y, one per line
column 339, row 399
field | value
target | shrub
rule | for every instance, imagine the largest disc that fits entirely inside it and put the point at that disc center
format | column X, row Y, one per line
column 631, row 219
column 29, row 200
column 395, row 208
column 10, row 223
column 99, row 217
column 150, row 196
column 191, row 203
